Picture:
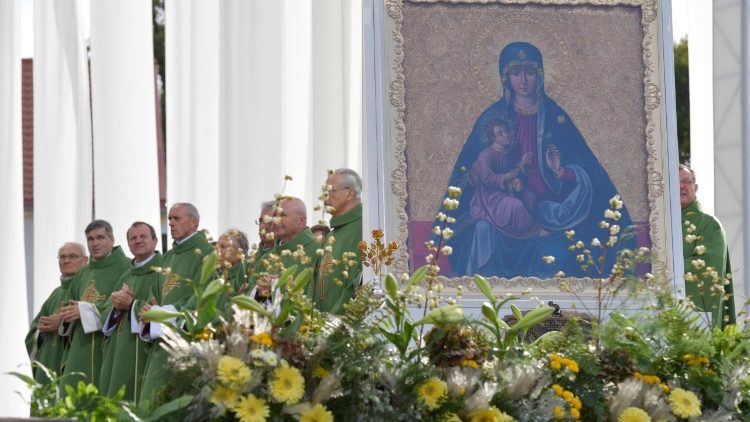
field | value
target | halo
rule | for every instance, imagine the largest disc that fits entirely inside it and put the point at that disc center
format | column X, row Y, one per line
column 519, row 26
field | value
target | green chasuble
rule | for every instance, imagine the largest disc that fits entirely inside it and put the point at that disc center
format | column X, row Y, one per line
column 332, row 287
column 48, row 348
column 287, row 255
column 185, row 260
column 234, row 278
column 124, row 353
column 93, row 284
column 709, row 234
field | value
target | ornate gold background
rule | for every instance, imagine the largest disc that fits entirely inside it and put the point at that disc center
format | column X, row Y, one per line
column 602, row 65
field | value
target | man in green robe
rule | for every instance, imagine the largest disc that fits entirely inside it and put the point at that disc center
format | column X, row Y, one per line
column 125, row 354
column 295, row 245
column 43, row 342
column 265, row 244
column 708, row 280
column 181, row 262
column 87, row 296
column 340, row 268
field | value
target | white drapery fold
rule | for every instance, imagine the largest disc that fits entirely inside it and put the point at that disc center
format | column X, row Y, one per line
column 13, row 300
column 62, row 138
column 255, row 91
column 126, row 187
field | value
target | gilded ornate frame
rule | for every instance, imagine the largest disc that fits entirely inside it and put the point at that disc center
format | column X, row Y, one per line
column 660, row 226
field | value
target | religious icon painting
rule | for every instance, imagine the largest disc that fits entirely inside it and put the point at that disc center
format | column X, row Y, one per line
column 541, row 113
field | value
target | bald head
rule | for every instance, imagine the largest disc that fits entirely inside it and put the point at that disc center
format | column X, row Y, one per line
column 293, row 219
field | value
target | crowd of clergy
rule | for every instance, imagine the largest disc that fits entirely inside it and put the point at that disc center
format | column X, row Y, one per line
column 92, row 328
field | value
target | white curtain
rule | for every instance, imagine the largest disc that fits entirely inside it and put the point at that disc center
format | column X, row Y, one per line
column 62, row 138
column 13, row 300
column 126, row 187
column 255, row 91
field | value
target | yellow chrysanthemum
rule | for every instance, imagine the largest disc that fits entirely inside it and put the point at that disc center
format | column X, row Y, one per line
column 469, row 362
column 558, row 412
column 431, row 391
column 288, row 385
column 575, row 403
column 232, row 371
column 567, row 395
column 558, row 389
column 634, row 414
column 555, row 364
column 573, row 367
column 317, row 413
column 575, row 414
column 252, row 409
column 684, row 403
column 491, row 414
column 262, row 338
column 224, row 396
column 450, row 417
column 320, row 372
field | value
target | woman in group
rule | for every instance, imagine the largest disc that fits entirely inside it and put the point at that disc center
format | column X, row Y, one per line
column 570, row 187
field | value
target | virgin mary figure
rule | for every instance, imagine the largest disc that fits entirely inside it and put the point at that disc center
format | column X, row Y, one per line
column 569, row 187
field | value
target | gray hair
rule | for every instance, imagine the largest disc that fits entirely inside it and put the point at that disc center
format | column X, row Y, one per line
column 692, row 172
column 100, row 224
column 267, row 205
column 190, row 209
column 82, row 249
column 350, row 179
column 240, row 237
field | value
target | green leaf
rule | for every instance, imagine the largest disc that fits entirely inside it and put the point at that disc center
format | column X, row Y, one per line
column 516, row 312
column 159, row 315
column 213, row 288
column 484, row 287
column 170, row 407
column 391, row 286
column 248, row 303
column 532, row 318
column 418, row 275
column 443, row 315
column 207, row 270
column 489, row 312
column 302, row 279
column 25, row 378
column 284, row 278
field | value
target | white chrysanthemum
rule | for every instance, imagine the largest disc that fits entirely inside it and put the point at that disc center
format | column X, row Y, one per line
column 595, row 242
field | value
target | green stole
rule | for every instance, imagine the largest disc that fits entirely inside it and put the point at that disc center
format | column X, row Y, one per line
column 186, row 263
column 331, row 289
column 49, row 346
column 710, row 234
column 93, row 284
column 124, row 353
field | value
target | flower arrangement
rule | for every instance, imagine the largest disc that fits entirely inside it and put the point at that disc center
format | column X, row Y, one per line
column 412, row 354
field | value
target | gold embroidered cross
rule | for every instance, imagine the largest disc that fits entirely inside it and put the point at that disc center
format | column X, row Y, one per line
column 91, row 294
column 324, row 269
column 171, row 283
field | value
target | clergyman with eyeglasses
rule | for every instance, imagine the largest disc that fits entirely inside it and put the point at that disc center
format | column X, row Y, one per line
column 340, row 268
column 708, row 280
column 43, row 342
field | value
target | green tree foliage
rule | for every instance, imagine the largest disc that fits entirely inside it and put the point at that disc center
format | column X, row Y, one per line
column 682, row 92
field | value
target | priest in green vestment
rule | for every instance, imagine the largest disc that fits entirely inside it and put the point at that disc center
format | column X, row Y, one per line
column 43, row 342
column 704, row 248
column 87, row 296
column 295, row 245
column 125, row 353
column 339, row 271
column 182, row 262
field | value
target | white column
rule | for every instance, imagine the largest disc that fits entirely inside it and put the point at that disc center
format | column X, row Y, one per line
column 700, row 40
column 62, row 138
column 123, row 116
column 13, row 300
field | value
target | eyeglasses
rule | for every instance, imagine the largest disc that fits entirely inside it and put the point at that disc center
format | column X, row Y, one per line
column 686, row 182
column 336, row 189
column 71, row 257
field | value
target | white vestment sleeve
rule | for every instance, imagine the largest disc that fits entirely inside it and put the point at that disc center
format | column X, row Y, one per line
column 90, row 318
column 135, row 325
